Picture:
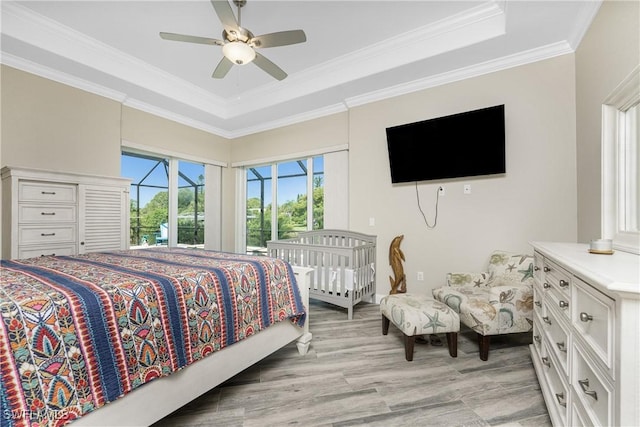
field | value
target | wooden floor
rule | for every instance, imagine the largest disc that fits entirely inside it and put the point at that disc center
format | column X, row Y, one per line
column 353, row 375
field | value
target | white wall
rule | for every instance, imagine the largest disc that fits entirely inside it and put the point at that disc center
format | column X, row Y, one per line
column 534, row 200
column 607, row 54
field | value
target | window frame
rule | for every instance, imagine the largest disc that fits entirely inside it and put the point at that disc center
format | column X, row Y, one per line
column 213, row 193
column 615, row 148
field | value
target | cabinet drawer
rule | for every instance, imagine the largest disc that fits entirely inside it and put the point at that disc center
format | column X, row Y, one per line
column 537, row 334
column 46, row 251
column 46, row 235
column 538, row 267
column 46, row 214
column 34, row 191
column 559, row 390
column 557, row 277
column 592, row 314
column 592, row 389
column 560, row 301
column 557, row 338
column 538, row 297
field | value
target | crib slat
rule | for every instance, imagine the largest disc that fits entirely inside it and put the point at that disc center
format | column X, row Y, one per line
column 344, row 264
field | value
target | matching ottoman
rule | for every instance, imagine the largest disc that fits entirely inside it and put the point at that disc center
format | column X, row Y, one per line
column 418, row 315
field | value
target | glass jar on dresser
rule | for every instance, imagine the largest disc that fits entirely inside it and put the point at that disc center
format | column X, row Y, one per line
column 586, row 334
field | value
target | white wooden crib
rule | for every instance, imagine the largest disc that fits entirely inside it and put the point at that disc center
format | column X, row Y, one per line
column 343, row 262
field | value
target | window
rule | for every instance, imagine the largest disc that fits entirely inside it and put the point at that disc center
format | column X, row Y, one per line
column 149, row 198
column 190, row 203
column 153, row 216
column 620, row 159
column 289, row 184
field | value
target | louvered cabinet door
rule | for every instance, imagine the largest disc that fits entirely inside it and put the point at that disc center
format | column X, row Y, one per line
column 104, row 218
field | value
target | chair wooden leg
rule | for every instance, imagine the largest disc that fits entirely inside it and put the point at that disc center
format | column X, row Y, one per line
column 452, row 342
column 385, row 325
column 483, row 343
column 409, row 342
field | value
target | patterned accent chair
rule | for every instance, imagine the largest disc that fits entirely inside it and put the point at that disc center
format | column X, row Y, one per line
column 497, row 301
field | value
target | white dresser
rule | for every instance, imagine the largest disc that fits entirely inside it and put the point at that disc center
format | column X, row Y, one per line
column 54, row 213
column 586, row 334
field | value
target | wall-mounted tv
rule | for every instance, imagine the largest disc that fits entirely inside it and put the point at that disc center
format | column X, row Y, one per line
column 460, row 145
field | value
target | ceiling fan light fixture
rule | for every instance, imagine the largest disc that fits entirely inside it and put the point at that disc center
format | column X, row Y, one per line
column 238, row 52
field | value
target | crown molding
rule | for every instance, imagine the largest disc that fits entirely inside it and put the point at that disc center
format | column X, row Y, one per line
column 515, row 60
column 483, row 22
column 60, row 77
column 466, row 28
column 585, row 18
column 179, row 118
column 21, row 23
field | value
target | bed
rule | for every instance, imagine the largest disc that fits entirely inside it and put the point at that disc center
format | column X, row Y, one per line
column 127, row 337
column 343, row 263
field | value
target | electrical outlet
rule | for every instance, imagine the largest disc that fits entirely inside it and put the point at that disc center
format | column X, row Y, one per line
column 467, row 189
column 441, row 191
column 420, row 276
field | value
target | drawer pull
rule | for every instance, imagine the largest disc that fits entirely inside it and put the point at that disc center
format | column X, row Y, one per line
column 47, row 213
column 546, row 285
column 560, row 399
column 537, row 338
column 546, row 362
column 563, row 283
column 561, row 347
column 47, row 234
column 546, row 320
column 536, row 268
column 563, row 304
column 585, row 317
column 585, row 384
column 47, row 255
column 546, row 269
column 52, row 193
column 538, row 303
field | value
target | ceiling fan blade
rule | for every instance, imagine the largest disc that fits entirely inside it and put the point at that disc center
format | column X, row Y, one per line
column 225, row 14
column 281, row 38
column 222, row 69
column 269, row 67
column 191, row 39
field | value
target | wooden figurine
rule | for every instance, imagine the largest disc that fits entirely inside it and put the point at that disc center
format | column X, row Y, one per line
column 396, row 257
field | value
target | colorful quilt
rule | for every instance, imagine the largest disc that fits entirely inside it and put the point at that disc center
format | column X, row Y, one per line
column 79, row 332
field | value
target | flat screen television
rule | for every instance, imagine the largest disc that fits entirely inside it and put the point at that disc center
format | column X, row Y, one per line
column 459, row 145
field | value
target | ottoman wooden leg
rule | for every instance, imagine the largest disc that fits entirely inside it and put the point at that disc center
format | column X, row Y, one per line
column 385, row 325
column 483, row 343
column 409, row 341
column 452, row 342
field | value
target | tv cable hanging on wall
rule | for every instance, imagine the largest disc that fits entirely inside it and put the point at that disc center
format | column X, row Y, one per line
column 435, row 218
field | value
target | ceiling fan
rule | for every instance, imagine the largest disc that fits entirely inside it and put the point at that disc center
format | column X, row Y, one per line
column 239, row 44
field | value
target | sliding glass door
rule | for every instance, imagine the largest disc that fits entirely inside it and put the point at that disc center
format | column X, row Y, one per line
column 290, row 184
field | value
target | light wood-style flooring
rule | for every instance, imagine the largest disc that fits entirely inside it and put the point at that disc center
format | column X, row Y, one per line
column 354, row 375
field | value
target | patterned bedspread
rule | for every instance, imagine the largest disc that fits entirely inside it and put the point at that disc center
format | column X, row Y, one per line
column 78, row 332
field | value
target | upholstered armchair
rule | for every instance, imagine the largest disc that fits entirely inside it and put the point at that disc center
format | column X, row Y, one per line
column 497, row 301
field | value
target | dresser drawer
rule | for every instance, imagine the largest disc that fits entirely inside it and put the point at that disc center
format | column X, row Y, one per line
column 43, row 236
column 46, row 214
column 31, row 252
column 538, row 267
column 559, row 390
column 560, row 300
column 592, row 389
column 537, row 334
column 557, row 277
column 34, row 191
column 538, row 297
column 557, row 336
column 592, row 314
